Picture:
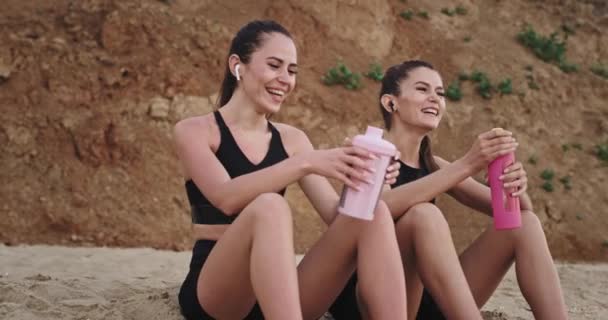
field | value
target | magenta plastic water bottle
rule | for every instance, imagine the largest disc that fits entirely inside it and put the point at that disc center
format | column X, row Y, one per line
column 362, row 203
column 505, row 207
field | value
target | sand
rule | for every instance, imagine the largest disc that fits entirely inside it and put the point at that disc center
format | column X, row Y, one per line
column 52, row 282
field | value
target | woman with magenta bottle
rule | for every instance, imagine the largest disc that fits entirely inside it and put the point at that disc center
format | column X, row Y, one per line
column 440, row 284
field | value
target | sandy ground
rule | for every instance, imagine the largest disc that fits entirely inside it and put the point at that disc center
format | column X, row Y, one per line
column 48, row 282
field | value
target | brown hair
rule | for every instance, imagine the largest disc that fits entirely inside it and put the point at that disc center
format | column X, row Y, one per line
column 390, row 85
column 245, row 42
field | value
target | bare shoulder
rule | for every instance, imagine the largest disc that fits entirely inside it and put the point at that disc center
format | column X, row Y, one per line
column 200, row 127
column 294, row 139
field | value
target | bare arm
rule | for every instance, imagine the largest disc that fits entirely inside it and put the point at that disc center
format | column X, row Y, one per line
column 403, row 197
column 476, row 195
column 487, row 147
column 228, row 195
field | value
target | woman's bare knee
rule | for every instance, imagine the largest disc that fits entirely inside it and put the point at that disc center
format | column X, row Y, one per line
column 530, row 224
column 426, row 217
column 382, row 215
column 269, row 211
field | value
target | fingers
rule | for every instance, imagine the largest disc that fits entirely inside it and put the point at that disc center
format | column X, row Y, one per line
column 494, row 133
column 500, row 150
column 360, row 152
column 515, row 177
column 347, row 142
column 521, row 190
column 392, row 173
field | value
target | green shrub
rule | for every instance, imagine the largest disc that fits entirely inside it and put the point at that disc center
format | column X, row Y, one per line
column 565, row 180
column 463, row 76
column 341, row 75
column 547, row 186
column 577, row 146
column 453, row 91
column 460, row 10
column 600, row 70
column 505, row 87
column 407, row 14
column 423, row 14
column 601, row 151
column 375, row 72
column 467, row 39
column 448, row 12
column 549, row 49
column 547, row 174
column 533, row 160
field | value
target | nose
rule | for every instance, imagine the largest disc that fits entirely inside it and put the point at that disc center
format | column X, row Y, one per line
column 286, row 78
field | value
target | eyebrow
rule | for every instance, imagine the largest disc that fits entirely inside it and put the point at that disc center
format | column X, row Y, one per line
column 281, row 61
column 426, row 84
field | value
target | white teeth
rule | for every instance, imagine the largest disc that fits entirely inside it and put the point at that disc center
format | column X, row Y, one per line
column 430, row 111
column 277, row 92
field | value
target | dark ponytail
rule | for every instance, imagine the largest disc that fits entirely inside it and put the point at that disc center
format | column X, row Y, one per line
column 390, row 85
column 245, row 42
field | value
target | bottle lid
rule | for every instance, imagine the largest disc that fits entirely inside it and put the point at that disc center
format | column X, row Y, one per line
column 374, row 132
column 372, row 141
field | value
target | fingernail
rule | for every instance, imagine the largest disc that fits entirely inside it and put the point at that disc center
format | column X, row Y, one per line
column 501, row 177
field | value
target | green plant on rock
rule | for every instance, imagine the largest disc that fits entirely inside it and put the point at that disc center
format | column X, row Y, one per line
column 375, row 72
column 505, row 86
column 547, row 174
column 549, row 49
column 565, row 180
column 423, row 14
column 484, row 86
column 453, row 91
column 448, row 12
column 341, row 75
column 407, row 14
column 601, row 151
column 600, row 70
column 460, row 10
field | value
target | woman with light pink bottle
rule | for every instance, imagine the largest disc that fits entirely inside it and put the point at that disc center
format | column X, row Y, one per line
column 440, row 283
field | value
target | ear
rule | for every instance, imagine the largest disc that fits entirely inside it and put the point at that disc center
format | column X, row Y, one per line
column 388, row 103
column 233, row 60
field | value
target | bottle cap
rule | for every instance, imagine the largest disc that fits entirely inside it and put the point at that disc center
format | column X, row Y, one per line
column 374, row 132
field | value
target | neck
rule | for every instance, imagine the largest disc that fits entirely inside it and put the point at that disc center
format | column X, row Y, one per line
column 242, row 112
column 408, row 141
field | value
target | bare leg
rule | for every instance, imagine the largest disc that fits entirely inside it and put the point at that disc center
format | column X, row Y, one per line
column 428, row 251
column 254, row 259
column 350, row 243
column 487, row 260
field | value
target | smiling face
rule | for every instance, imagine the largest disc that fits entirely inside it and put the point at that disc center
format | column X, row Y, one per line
column 421, row 102
column 270, row 75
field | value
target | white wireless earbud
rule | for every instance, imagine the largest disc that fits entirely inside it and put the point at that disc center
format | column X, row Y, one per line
column 236, row 71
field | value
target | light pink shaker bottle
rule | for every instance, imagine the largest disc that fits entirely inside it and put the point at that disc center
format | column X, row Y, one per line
column 505, row 207
column 361, row 204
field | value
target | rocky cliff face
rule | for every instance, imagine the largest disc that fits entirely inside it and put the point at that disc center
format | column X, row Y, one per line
column 90, row 90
